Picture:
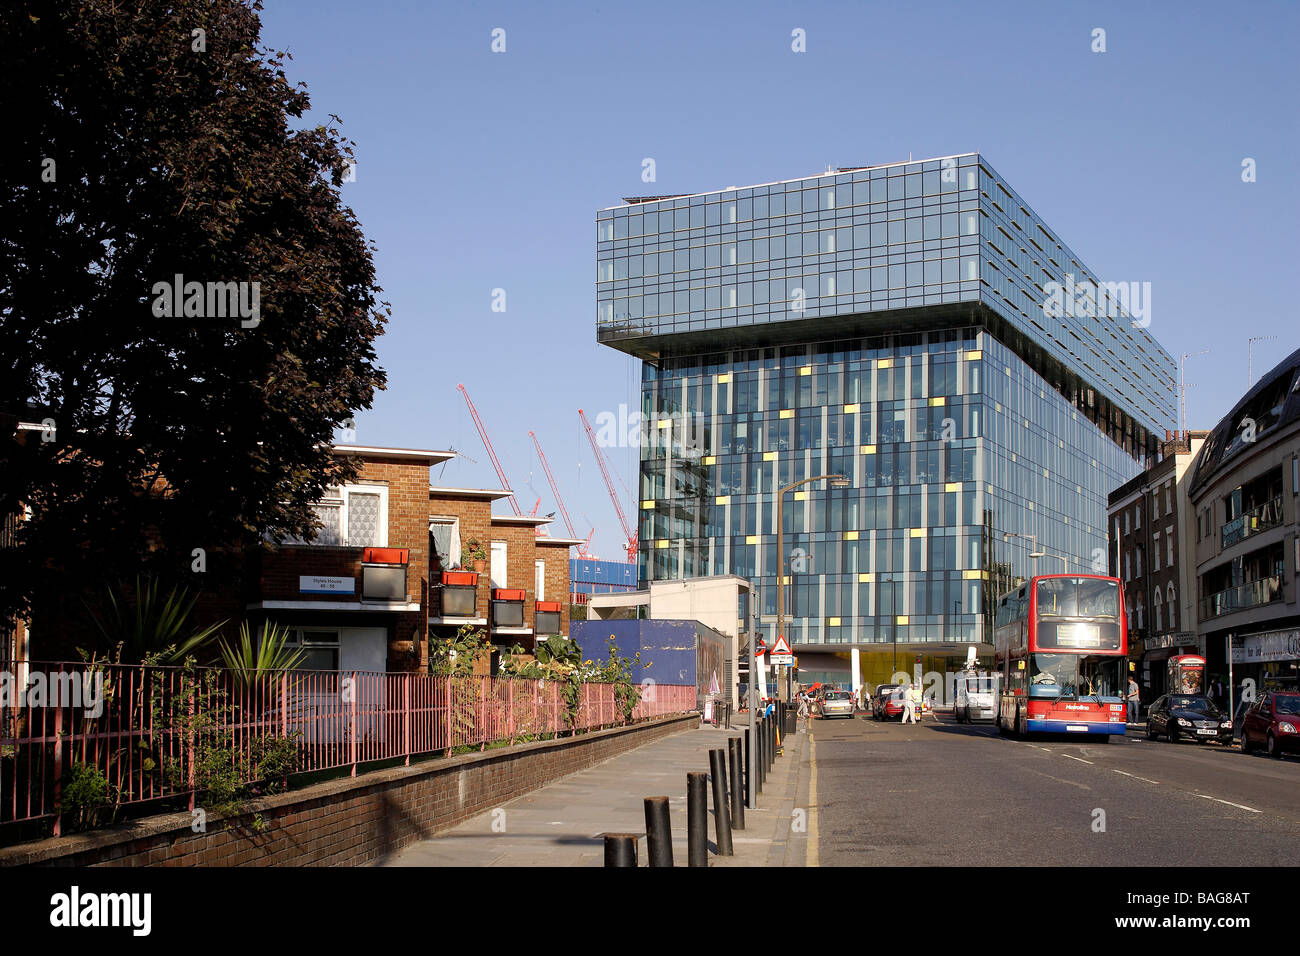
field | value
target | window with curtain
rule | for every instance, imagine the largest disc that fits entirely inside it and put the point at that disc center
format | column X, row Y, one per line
column 364, row 517
column 446, row 541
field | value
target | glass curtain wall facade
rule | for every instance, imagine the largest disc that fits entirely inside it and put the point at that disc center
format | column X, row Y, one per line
column 887, row 324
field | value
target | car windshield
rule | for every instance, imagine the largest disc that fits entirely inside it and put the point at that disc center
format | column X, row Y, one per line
column 1202, row 705
column 837, row 695
column 1289, row 704
column 1078, row 597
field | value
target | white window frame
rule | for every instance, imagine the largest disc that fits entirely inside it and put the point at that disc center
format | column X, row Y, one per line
column 539, row 579
column 1155, row 555
column 455, row 545
column 339, row 495
column 505, row 564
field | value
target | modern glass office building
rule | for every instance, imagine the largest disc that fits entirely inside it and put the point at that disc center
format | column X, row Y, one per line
column 898, row 325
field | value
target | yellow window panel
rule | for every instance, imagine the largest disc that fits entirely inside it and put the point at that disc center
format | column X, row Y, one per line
column 769, row 456
column 866, row 578
column 665, row 422
column 970, row 575
column 834, row 622
column 952, row 486
column 850, row 536
column 918, row 532
column 751, row 539
column 974, row 355
column 900, row 619
column 806, row 370
column 868, row 449
column 851, row 409
column 662, row 543
column 710, row 460
column 724, row 378
column 800, row 495
column 885, row 363
column 722, row 500
column 939, row 400
column 787, row 413
column 786, row 579
column 648, row 504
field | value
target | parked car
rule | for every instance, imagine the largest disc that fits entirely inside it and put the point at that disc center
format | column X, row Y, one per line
column 1188, row 717
column 975, row 698
column 836, row 703
column 888, row 702
column 1273, row 722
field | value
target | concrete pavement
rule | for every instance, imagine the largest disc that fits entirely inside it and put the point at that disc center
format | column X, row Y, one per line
column 563, row 824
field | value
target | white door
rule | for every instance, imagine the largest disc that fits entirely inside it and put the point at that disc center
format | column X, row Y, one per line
column 498, row 570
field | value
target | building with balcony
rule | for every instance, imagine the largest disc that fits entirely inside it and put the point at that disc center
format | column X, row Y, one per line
column 915, row 327
column 1151, row 529
column 394, row 568
column 1244, row 494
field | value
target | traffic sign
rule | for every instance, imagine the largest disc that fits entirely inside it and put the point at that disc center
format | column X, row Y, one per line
column 781, row 652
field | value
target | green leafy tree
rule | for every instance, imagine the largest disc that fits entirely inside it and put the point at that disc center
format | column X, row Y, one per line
column 160, row 138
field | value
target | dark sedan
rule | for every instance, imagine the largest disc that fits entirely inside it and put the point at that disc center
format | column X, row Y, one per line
column 1188, row 717
column 1273, row 722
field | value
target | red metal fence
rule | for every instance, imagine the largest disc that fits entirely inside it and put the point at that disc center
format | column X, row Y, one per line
column 153, row 732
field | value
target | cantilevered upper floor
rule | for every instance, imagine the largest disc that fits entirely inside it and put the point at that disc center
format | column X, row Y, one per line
column 898, row 247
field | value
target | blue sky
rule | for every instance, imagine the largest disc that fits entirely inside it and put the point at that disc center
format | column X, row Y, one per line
column 481, row 170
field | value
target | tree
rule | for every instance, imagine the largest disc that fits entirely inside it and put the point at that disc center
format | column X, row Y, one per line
column 154, row 141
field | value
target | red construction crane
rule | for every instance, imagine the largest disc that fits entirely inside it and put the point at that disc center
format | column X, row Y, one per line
column 487, row 443
column 628, row 530
column 555, row 490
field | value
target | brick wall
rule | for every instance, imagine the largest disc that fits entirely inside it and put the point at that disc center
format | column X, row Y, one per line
column 351, row 821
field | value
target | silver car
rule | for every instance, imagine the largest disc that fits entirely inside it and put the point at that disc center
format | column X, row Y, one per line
column 837, row 703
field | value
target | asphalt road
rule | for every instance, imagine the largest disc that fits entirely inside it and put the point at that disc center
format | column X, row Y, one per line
column 942, row 793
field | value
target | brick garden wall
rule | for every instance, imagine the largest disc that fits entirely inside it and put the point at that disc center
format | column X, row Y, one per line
column 352, row 821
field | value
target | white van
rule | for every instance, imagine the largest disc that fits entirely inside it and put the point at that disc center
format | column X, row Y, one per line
column 975, row 698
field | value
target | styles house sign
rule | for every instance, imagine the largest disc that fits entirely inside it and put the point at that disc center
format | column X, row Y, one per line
column 322, row 584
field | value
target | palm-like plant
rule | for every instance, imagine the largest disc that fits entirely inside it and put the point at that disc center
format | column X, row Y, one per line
column 152, row 625
column 268, row 654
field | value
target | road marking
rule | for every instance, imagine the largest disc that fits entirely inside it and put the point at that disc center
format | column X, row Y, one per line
column 1134, row 776
column 1080, row 759
column 1239, row 806
column 811, row 854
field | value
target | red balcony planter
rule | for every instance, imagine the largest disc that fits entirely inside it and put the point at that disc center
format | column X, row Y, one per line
column 386, row 556
column 548, row 605
column 463, row 578
column 507, row 594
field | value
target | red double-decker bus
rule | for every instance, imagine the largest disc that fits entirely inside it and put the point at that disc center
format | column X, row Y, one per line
column 1060, row 648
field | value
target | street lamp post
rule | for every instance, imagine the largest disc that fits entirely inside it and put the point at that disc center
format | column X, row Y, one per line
column 836, row 481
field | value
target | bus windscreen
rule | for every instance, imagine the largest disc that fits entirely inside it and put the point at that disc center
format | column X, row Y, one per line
column 1078, row 613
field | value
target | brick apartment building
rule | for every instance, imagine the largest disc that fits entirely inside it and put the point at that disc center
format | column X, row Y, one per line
column 520, row 593
column 1148, row 519
column 384, row 573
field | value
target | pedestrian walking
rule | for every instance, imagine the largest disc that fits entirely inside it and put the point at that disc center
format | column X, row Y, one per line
column 1134, row 695
column 910, row 701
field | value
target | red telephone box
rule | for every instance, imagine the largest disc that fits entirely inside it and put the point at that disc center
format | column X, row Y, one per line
column 1186, row 674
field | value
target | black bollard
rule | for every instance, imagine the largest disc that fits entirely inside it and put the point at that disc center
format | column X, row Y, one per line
column 697, row 819
column 721, row 805
column 760, row 760
column 620, row 849
column 749, row 769
column 737, row 785
column 658, row 832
